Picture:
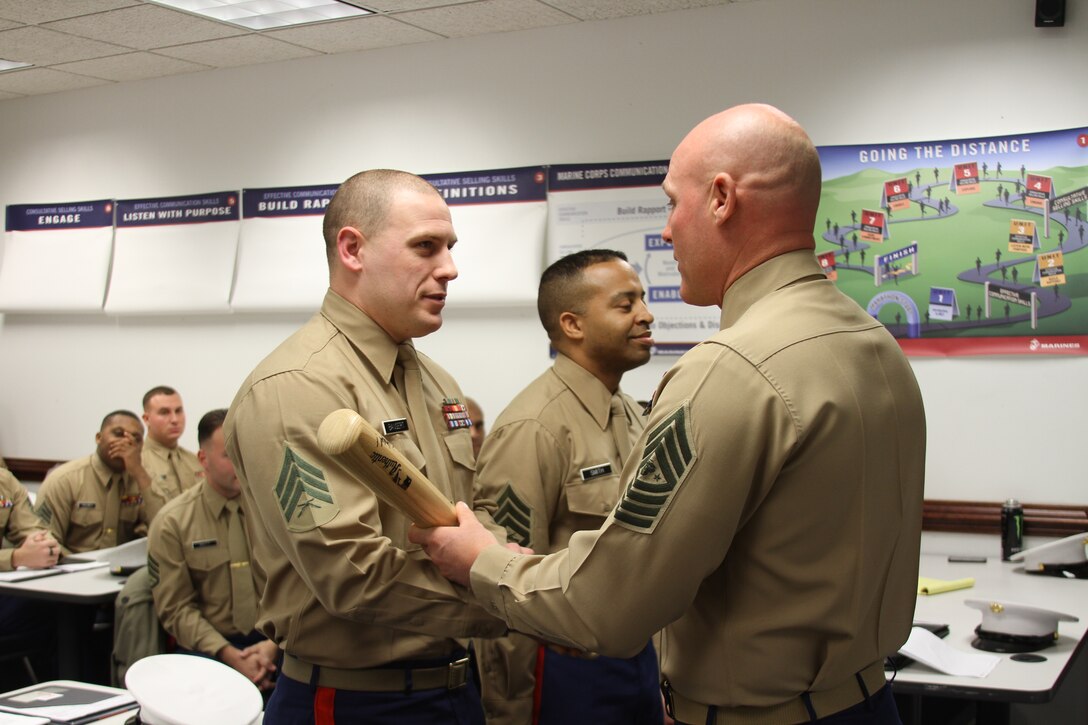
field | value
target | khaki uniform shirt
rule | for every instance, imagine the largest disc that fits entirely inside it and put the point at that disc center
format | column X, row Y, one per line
column 172, row 471
column 772, row 519
column 72, row 504
column 551, row 463
column 338, row 581
column 17, row 519
column 188, row 558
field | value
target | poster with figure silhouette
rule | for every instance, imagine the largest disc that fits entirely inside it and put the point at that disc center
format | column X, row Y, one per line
column 961, row 241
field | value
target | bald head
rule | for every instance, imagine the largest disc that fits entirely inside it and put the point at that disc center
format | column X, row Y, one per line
column 363, row 202
column 749, row 179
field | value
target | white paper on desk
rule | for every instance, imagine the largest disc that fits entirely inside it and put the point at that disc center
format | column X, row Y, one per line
column 23, row 574
column 129, row 554
column 6, row 719
column 931, row 650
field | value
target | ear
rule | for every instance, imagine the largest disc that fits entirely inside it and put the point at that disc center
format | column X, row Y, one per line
column 349, row 247
column 570, row 324
column 98, row 438
column 202, row 457
column 723, row 197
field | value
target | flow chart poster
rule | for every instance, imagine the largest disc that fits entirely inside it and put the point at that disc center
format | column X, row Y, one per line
column 174, row 254
column 622, row 207
column 56, row 257
column 966, row 247
column 499, row 217
column 281, row 260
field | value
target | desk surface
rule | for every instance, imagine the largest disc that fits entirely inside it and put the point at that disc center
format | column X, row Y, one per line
column 1010, row 681
column 91, row 586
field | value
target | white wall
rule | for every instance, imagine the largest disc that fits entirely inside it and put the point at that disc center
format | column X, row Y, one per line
column 608, row 91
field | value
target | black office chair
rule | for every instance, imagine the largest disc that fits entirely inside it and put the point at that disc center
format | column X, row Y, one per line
column 21, row 647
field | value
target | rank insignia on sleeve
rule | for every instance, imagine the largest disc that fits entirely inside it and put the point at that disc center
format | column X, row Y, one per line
column 153, row 571
column 45, row 513
column 666, row 459
column 515, row 516
column 303, row 494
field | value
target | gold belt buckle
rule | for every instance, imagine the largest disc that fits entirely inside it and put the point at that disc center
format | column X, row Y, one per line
column 457, row 674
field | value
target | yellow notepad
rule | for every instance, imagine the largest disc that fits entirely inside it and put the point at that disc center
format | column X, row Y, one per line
column 927, row 585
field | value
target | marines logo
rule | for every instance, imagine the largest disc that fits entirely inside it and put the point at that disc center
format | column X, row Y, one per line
column 667, row 457
column 303, row 494
column 515, row 516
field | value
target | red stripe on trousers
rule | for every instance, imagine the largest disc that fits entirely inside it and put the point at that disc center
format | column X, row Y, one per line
column 538, row 683
column 325, row 706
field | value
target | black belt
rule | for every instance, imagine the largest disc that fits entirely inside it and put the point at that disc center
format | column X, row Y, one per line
column 382, row 679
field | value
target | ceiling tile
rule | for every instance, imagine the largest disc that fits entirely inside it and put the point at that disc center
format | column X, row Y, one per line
column 488, row 16
column 43, row 11
column 31, row 44
column 397, row 6
column 145, row 27
column 34, row 81
column 355, row 34
column 602, row 9
column 245, row 50
column 131, row 67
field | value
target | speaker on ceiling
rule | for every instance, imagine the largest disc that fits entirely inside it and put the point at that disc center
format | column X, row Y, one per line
column 1049, row 13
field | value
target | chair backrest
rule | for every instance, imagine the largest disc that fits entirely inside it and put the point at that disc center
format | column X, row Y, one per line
column 136, row 629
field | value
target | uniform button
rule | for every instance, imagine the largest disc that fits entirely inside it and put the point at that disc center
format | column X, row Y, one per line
column 109, row 530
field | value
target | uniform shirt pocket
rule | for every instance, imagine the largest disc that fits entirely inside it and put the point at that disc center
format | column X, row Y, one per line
column 86, row 515
column 595, row 497
column 205, row 559
column 460, row 447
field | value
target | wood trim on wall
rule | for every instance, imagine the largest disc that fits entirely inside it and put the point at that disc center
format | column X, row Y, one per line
column 30, row 470
column 984, row 517
column 968, row 517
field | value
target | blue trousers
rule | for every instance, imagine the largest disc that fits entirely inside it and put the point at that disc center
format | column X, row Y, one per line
column 600, row 691
column 299, row 703
column 880, row 710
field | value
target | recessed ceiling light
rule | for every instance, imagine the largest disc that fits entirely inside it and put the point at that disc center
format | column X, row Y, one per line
column 264, row 14
column 12, row 65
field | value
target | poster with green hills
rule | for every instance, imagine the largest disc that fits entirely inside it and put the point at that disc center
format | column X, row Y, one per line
column 966, row 247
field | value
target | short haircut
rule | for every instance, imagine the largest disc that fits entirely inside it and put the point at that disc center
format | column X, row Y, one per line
column 209, row 424
column 126, row 413
column 561, row 287
column 158, row 390
column 363, row 202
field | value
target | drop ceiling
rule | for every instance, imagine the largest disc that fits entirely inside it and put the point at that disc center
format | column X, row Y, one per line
column 83, row 43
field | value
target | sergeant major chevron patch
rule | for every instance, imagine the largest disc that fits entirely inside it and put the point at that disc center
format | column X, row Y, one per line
column 666, row 459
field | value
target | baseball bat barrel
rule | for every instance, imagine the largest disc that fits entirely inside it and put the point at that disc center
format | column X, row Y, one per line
column 392, row 477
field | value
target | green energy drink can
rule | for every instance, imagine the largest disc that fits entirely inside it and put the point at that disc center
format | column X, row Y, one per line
column 1012, row 528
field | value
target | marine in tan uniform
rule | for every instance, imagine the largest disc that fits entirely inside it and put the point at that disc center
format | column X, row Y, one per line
column 771, row 520
column 98, row 501
column 31, row 545
column 366, row 622
column 553, row 464
column 173, row 469
column 479, row 428
column 193, row 566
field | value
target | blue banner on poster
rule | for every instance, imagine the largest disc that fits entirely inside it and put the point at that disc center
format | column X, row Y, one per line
column 286, row 201
column 491, row 187
column 63, row 215
column 218, row 206
column 581, row 177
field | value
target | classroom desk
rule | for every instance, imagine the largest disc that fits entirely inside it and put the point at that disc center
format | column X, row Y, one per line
column 75, row 594
column 1011, row 681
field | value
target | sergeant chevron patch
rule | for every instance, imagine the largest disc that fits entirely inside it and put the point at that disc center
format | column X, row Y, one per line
column 666, row 459
column 153, row 571
column 44, row 513
column 303, row 495
column 515, row 516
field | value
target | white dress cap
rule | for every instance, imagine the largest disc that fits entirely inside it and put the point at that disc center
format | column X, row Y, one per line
column 190, row 690
column 1069, row 550
column 1019, row 620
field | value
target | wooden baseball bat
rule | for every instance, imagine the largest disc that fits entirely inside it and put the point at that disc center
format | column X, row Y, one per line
column 384, row 469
